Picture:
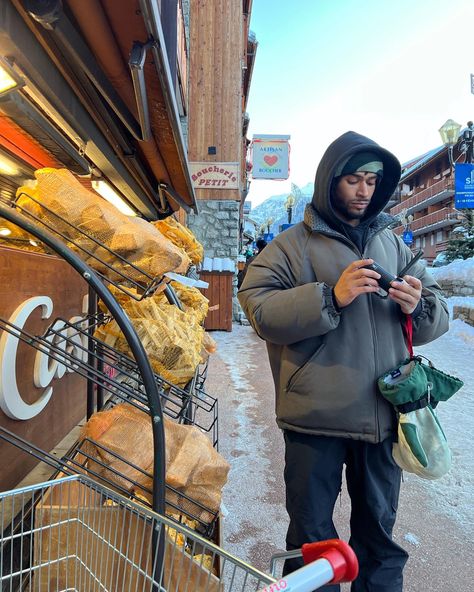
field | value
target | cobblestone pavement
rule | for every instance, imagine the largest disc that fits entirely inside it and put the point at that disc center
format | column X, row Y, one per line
column 435, row 520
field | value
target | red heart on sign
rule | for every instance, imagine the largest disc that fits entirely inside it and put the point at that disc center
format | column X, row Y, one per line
column 270, row 160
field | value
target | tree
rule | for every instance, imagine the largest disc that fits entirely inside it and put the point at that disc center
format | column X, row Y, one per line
column 461, row 244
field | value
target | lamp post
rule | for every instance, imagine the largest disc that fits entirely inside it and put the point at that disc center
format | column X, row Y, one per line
column 290, row 202
column 450, row 135
column 467, row 142
column 269, row 222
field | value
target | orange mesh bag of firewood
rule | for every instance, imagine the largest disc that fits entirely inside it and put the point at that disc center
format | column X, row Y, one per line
column 193, row 467
column 182, row 237
column 134, row 239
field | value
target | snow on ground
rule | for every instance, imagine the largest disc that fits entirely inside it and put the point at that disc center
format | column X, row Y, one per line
column 455, row 270
column 453, row 495
column 435, row 516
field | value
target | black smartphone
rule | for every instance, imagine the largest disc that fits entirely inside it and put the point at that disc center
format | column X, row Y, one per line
column 385, row 277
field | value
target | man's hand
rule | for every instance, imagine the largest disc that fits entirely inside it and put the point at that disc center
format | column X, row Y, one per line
column 354, row 281
column 407, row 293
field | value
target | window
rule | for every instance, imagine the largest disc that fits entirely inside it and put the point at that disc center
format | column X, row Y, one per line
column 439, row 236
column 417, row 242
column 432, row 239
column 423, row 241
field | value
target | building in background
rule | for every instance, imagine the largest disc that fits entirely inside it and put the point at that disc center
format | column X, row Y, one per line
column 425, row 196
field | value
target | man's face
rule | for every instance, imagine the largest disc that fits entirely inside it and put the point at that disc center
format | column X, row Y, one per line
column 352, row 196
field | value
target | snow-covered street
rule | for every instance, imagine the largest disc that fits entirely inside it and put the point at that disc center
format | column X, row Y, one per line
column 436, row 518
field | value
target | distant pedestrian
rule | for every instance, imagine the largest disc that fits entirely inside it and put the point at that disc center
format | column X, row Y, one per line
column 261, row 244
column 329, row 338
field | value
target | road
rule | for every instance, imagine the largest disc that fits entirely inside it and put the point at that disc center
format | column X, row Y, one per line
column 435, row 521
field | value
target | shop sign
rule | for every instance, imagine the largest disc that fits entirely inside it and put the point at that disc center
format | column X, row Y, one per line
column 270, row 157
column 215, row 175
column 46, row 368
column 464, row 186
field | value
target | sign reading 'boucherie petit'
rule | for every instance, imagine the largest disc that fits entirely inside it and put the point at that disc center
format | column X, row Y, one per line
column 215, row 175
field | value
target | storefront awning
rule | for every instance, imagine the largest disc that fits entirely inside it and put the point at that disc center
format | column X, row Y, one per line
column 88, row 67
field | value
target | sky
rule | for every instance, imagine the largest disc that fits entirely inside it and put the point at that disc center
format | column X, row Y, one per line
column 393, row 71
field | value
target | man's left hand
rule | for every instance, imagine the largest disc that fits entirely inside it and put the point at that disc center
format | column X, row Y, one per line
column 406, row 293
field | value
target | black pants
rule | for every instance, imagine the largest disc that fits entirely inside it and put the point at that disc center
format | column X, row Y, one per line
column 313, row 477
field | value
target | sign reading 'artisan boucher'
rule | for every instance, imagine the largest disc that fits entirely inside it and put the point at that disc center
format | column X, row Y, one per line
column 270, row 157
column 215, row 175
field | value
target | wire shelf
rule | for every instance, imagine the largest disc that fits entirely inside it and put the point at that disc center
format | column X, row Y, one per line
column 131, row 481
column 86, row 246
column 118, row 375
column 72, row 345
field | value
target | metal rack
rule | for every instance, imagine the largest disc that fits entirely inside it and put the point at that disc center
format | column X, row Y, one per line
column 124, row 378
column 144, row 369
column 130, row 276
column 120, row 378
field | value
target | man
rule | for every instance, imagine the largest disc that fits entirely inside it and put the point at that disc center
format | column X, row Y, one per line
column 330, row 335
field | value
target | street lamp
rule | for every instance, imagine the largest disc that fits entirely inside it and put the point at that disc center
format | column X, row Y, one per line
column 450, row 136
column 449, row 133
column 290, row 202
column 269, row 222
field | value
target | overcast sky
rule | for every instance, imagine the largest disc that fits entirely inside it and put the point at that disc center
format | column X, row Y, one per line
column 394, row 71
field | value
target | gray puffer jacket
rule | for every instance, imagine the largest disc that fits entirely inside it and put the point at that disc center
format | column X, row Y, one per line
column 325, row 363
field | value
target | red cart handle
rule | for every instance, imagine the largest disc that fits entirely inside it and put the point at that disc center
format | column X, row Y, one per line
column 340, row 555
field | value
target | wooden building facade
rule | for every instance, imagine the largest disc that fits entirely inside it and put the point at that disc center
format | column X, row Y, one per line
column 220, row 66
column 426, row 193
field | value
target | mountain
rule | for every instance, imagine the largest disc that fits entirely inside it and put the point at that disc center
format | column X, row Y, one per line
column 274, row 207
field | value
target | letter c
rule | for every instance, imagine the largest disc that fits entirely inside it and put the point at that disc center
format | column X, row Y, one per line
column 11, row 401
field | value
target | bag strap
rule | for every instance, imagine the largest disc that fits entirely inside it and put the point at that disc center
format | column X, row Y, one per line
column 407, row 327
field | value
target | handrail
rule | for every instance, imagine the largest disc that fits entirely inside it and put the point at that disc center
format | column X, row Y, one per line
column 421, row 196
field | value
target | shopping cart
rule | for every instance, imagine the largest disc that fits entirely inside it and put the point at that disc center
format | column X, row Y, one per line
column 72, row 534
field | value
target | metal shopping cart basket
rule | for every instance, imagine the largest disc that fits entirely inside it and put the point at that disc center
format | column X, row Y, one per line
column 72, row 534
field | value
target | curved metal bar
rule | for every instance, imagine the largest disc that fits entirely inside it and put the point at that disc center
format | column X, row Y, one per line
column 172, row 297
column 133, row 341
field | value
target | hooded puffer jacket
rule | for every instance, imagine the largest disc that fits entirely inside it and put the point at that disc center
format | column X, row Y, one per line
column 325, row 363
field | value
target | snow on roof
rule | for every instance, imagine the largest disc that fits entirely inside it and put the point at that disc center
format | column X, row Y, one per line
column 412, row 165
column 218, row 264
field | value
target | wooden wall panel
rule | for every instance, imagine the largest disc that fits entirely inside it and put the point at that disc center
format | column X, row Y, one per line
column 25, row 275
column 219, row 295
column 215, row 86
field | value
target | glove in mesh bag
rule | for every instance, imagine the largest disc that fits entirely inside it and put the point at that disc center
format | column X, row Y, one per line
column 134, row 239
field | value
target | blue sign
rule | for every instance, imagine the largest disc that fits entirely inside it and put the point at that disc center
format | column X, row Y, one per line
column 464, row 186
column 285, row 227
column 407, row 237
column 268, row 236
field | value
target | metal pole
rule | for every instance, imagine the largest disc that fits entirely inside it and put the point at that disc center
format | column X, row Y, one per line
column 92, row 310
